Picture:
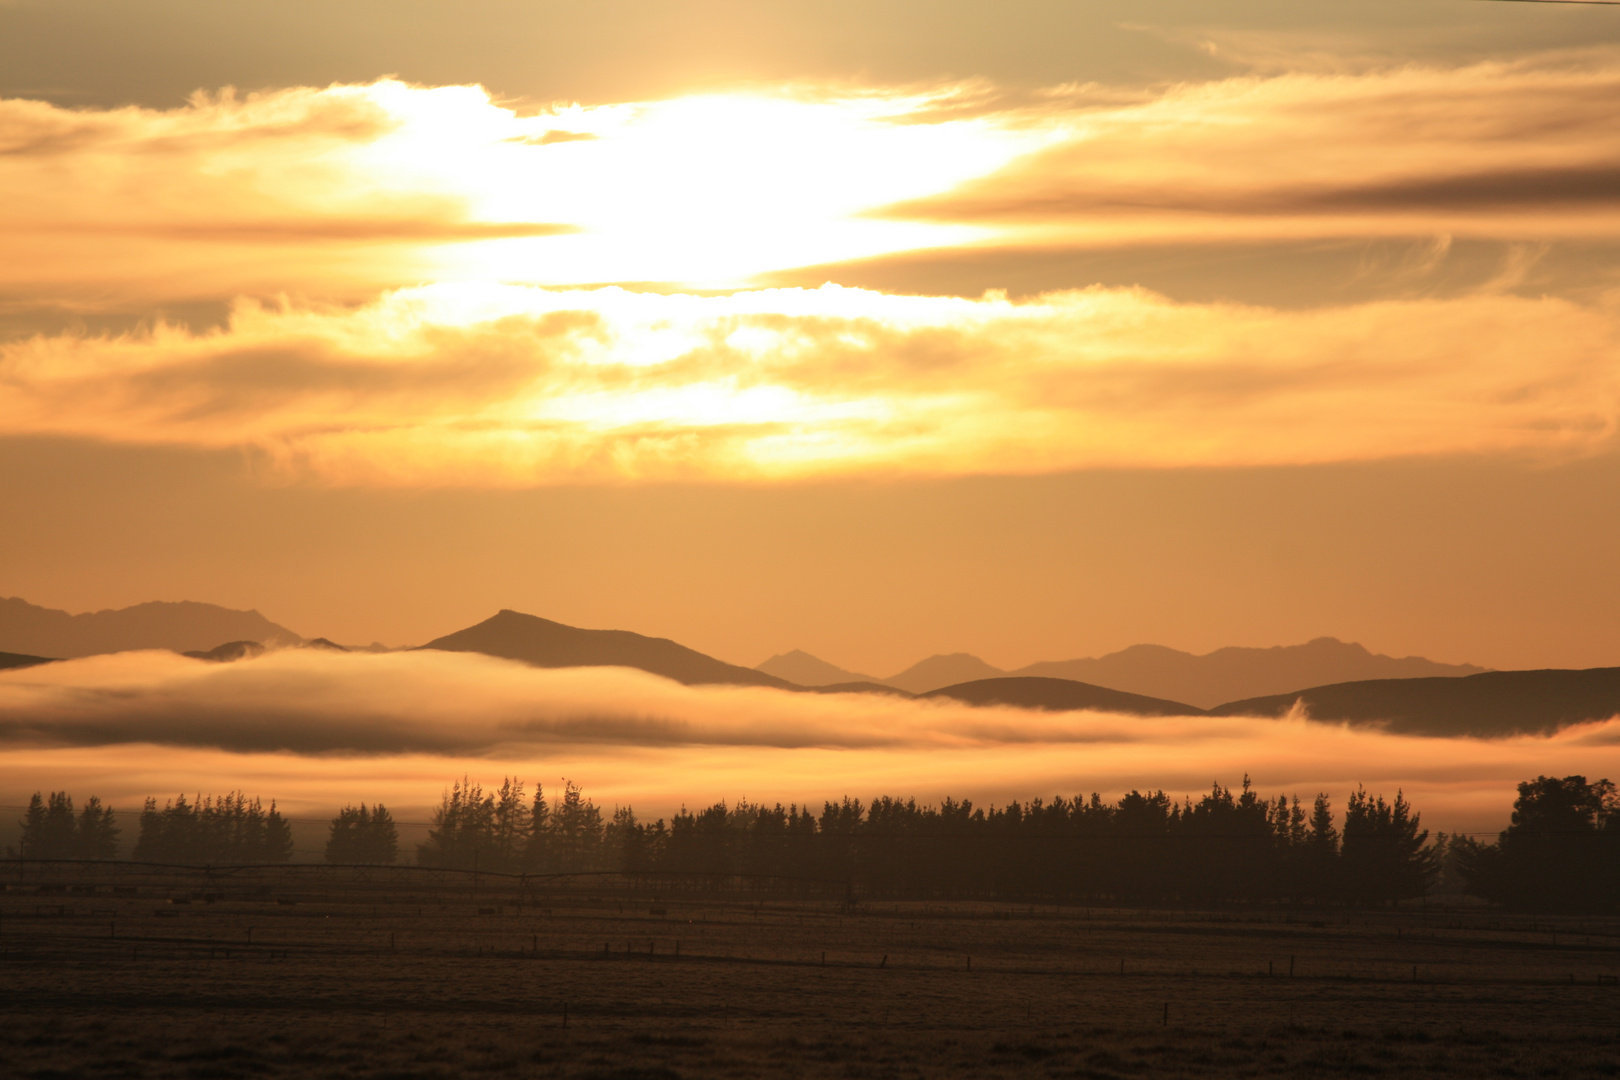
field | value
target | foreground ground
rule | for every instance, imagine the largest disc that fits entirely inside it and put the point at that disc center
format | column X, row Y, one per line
column 123, row 973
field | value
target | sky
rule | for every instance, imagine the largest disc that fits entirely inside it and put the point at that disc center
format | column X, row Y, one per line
column 880, row 330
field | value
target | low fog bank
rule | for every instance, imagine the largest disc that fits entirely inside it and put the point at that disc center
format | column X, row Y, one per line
column 316, row 730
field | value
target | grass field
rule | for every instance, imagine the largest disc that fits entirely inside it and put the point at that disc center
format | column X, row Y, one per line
column 122, row 971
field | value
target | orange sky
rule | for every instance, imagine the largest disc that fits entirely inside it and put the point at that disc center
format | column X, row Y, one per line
column 1034, row 336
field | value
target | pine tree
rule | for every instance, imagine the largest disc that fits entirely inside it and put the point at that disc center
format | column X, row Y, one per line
column 1384, row 853
column 32, row 845
column 509, row 827
column 462, row 825
column 537, row 852
column 60, row 838
column 383, row 843
column 342, row 843
column 98, row 831
column 278, row 841
column 363, row 835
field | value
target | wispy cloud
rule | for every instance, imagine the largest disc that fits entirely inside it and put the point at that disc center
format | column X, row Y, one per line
column 316, row 729
column 1494, row 150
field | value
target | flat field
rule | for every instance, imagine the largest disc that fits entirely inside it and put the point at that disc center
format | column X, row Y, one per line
column 122, row 971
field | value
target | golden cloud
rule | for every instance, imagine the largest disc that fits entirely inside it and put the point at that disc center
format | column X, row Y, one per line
column 1515, row 151
column 505, row 385
column 345, row 191
column 316, row 729
column 333, row 196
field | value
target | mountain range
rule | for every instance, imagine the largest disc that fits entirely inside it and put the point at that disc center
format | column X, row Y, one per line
column 1409, row 694
column 1206, row 681
column 184, row 627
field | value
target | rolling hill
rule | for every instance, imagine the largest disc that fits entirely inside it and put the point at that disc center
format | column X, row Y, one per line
column 1035, row 692
column 1232, row 674
column 183, row 627
column 543, row 643
column 1491, row 703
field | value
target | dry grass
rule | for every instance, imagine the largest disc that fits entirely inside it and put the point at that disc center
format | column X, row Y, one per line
column 388, row 979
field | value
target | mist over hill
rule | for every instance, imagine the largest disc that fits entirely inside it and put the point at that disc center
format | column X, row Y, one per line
column 543, row 643
column 1492, row 703
column 185, row 626
column 20, row 660
column 1035, row 692
column 1234, row 673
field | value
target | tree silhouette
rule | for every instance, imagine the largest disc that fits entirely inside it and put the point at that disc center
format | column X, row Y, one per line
column 51, row 831
column 1383, row 855
column 1560, row 853
column 363, row 835
column 221, row 829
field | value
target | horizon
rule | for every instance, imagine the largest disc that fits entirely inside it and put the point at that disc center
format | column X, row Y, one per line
column 1024, row 540
column 1006, row 666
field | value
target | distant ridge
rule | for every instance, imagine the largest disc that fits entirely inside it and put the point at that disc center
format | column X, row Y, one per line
column 183, row 627
column 1491, row 703
column 1035, row 692
column 543, row 643
column 1238, row 673
column 943, row 670
column 1155, row 671
column 800, row 667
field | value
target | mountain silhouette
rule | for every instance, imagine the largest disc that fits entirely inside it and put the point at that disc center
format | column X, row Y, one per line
column 941, row 671
column 543, row 643
column 1035, row 692
column 231, row 650
column 1234, row 673
column 19, row 660
column 182, row 627
column 1491, row 703
column 800, row 667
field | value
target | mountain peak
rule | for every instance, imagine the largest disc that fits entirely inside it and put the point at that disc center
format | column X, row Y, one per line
column 943, row 669
column 804, row 669
column 540, row 642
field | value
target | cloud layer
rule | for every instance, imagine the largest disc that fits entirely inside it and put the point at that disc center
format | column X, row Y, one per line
column 506, row 385
column 1509, row 150
column 334, row 197
column 343, row 191
column 317, row 729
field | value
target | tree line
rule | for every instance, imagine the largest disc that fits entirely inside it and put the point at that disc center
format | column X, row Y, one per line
column 1144, row 848
column 204, row 830
column 1561, row 851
